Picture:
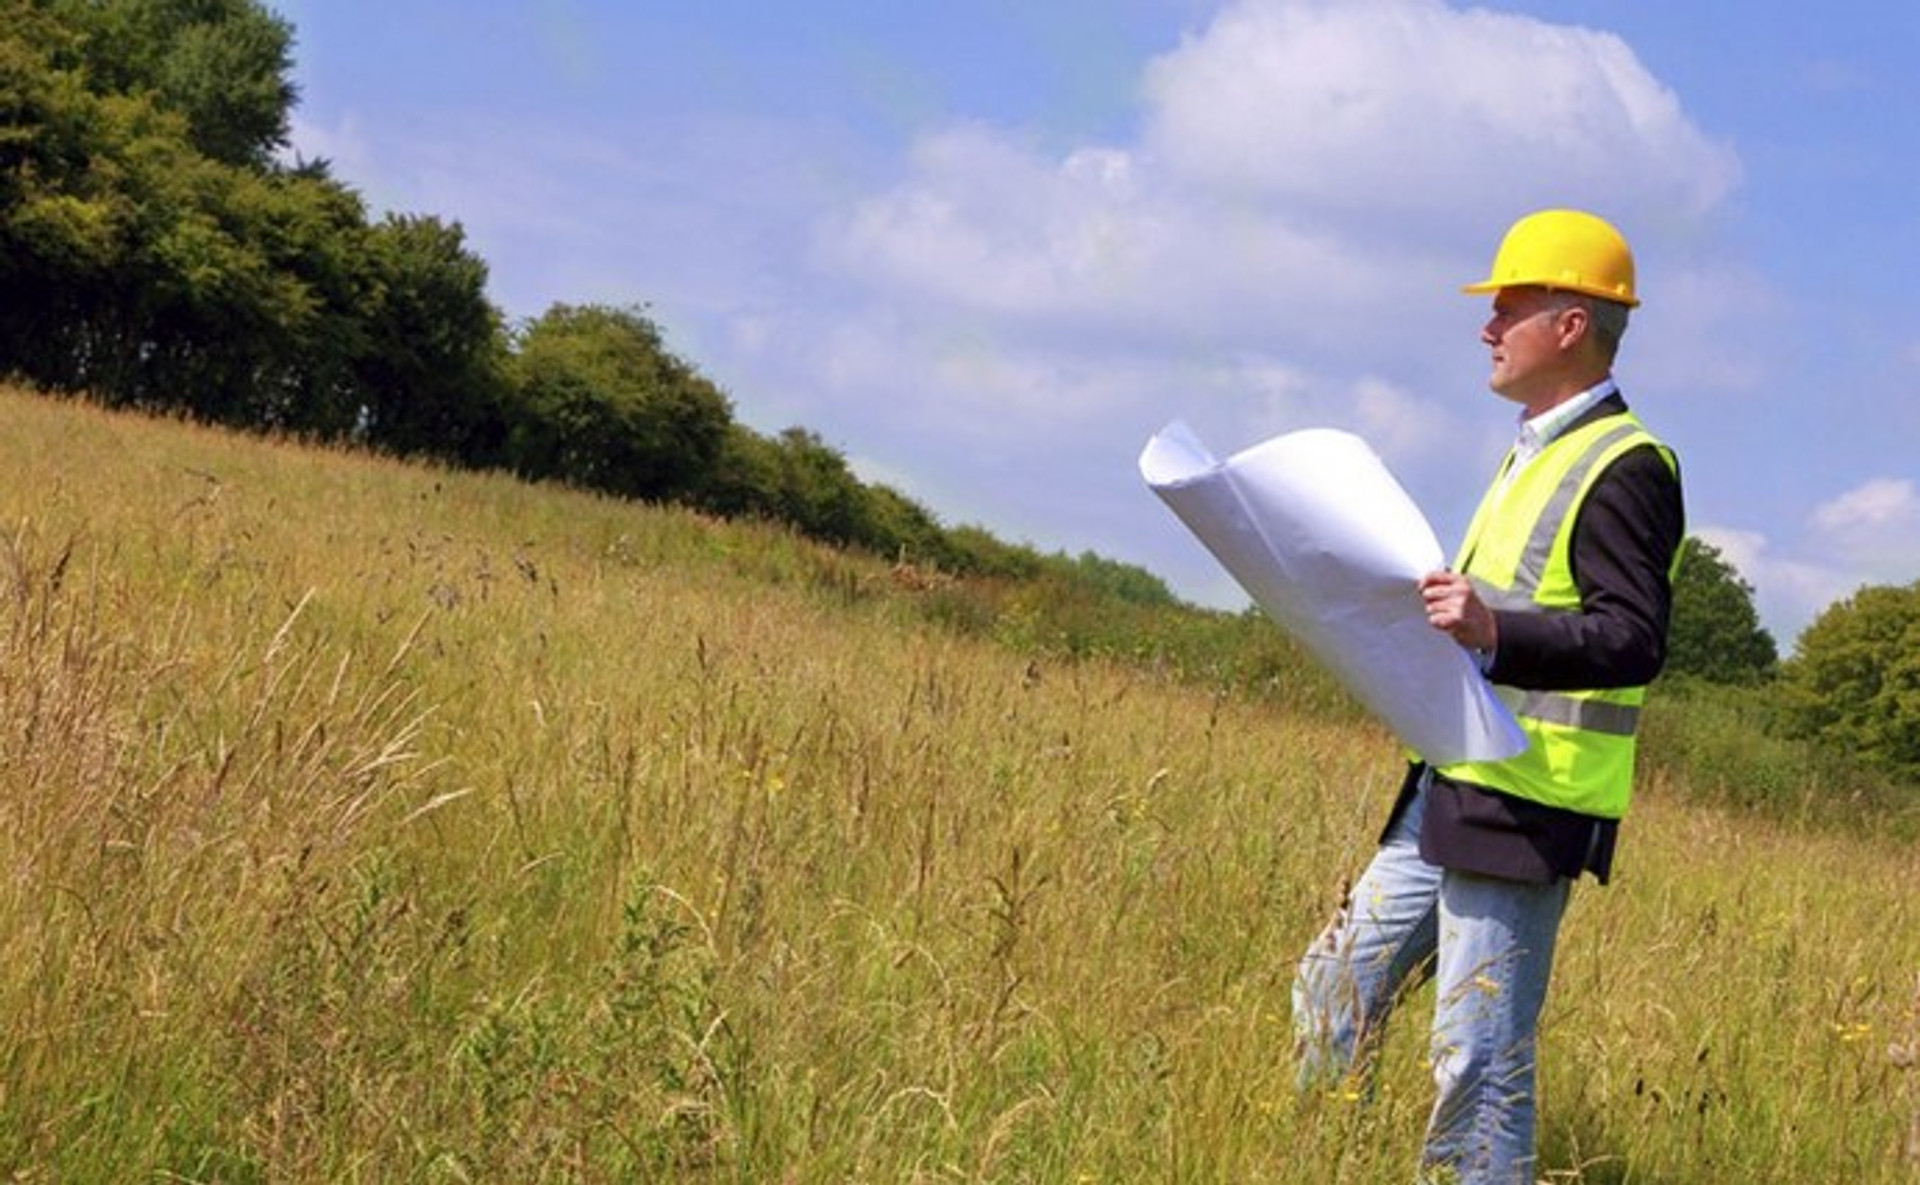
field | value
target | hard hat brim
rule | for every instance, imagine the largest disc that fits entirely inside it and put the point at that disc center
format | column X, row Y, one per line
column 1482, row 287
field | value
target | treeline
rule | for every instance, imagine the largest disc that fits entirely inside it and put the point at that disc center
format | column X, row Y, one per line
column 158, row 252
column 1851, row 687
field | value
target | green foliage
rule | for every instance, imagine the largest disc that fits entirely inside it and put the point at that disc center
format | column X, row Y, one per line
column 978, row 552
column 1728, row 747
column 800, row 480
column 601, row 403
column 1716, row 633
column 431, row 376
column 1854, row 679
column 811, row 487
column 223, row 65
column 815, row 490
column 173, row 264
column 895, row 525
column 1126, row 583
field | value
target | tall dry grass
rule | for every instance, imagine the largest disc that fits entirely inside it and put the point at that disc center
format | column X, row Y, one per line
column 372, row 823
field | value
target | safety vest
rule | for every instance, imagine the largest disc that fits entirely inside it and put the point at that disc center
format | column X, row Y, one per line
column 1517, row 552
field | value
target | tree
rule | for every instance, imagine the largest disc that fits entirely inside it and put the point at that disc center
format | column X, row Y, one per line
column 1854, row 679
column 744, row 477
column 159, row 259
column 1715, row 633
column 1118, row 581
column 225, row 66
column 431, row 374
column 978, row 552
column 60, row 216
column 817, row 492
column 597, row 400
column 900, row 528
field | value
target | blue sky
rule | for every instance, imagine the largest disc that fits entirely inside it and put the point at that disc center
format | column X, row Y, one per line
column 988, row 247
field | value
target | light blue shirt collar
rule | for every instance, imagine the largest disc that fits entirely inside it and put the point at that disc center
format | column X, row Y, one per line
column 1540, row 431
column 1537, row 433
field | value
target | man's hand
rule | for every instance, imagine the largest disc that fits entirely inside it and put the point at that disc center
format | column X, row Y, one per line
column 1454, row 607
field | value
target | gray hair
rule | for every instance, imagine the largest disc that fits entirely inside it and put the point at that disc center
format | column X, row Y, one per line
column 1607, row 318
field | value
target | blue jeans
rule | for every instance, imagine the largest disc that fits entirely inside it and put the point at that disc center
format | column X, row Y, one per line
column 1488, row 944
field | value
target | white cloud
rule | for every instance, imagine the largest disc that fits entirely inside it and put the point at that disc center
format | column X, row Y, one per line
column 1705, row 332
column 1101, row 239
column 1000, row 326
column 1279, row 392
column 1281, row 247
column 1307, row 171
column 1286, row 238
column 1364, row 107
column 1743, row 549
column 988, row 225
column 1880, row 505
column 1788, row 592
column 1871, row 532
column 1869, row 535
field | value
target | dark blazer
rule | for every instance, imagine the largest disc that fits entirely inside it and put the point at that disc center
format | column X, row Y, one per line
column 1627, row 531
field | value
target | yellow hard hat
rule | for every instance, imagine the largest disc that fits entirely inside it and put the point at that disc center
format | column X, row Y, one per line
column 1566, row 249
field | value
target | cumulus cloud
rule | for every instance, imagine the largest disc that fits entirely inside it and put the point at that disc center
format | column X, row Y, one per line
column 1100, row 240
column 987, row 224
column 1277, row 244
column 1868, row 535
column 1300, row 162
column 1871, row 532
column 1398, row 422
column 1879, row 505
column 1789, row 592
column 1745, row 550
column 1364, row 107
column 1281, row 244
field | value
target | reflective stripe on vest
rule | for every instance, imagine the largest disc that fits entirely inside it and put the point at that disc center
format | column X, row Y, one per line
column 1539, row 549
column 1615, row 719
column 1580, row 744
column 1593, row 715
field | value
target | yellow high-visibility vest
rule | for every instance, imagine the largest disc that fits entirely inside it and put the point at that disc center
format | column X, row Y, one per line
column 1517, row 551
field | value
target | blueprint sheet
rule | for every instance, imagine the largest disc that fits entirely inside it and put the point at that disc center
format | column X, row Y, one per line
column 1324, row 539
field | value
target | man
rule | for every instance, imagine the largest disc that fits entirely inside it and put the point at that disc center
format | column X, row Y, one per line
column 1562, row 590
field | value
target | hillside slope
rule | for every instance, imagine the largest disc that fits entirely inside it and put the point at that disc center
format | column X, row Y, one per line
column 372, row 822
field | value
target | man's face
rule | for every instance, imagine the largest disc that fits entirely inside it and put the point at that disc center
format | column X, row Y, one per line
column 1528, row 346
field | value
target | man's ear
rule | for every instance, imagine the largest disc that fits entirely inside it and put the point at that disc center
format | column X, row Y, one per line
column 1575, row 323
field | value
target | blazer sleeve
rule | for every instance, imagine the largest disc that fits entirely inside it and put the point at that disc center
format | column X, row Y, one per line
column 1629, row 527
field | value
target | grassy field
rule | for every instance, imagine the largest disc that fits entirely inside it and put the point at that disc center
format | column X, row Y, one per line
column 366, row 822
